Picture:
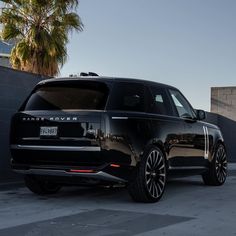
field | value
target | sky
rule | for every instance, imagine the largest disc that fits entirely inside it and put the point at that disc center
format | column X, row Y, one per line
column 189, row 44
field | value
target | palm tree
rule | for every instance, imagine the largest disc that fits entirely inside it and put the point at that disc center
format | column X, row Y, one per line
column 40, row 29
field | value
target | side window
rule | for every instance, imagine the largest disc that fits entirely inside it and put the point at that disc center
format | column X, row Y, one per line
column 182, row 106
column 160, row 104
column 127, row 96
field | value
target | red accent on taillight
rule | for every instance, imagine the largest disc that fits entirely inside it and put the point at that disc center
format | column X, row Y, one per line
column 114, row 165
column 82, row 171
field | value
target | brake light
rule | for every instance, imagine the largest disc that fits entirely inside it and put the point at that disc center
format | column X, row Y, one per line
column 115, row 165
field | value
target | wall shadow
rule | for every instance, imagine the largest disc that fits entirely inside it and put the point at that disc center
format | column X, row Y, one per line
column 15, row 86
column 228, row 129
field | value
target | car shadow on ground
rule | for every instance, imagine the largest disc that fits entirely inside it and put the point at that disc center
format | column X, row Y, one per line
column 105, row 194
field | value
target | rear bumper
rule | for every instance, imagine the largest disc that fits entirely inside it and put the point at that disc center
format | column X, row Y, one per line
column 67, row 155
column 100, row 175
column 108, row 172
column 54, row 155
column 71, row 162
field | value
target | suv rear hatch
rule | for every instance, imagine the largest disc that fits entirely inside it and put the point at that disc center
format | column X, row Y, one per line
column 59, row 123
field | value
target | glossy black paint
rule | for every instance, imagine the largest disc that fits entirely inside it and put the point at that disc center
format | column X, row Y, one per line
column 121, row 137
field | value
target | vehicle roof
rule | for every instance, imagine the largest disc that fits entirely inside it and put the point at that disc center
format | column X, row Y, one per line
column 103, row 79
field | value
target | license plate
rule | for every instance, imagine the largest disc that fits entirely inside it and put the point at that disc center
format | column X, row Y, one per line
column 48, row 131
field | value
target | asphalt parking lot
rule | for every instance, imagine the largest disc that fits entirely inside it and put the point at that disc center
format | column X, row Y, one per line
column 187, row 208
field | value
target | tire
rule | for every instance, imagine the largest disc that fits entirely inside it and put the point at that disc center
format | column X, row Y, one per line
column 150, row 181
column 40, row 187
column 217, row 173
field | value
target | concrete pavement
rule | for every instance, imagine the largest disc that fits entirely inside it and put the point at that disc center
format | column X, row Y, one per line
column 187, row 208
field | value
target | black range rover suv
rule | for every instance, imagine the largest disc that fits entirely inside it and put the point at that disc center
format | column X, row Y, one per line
column 98, row 130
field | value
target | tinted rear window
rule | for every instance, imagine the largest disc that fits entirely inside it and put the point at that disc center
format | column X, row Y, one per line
column 127, row 96
column 80, row 95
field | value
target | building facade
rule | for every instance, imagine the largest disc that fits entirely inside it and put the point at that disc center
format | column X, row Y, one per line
column 223, row 101
column 5, row 51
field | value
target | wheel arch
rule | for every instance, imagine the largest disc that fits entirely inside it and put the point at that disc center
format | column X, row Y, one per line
column 159, row 144
column 218, row 141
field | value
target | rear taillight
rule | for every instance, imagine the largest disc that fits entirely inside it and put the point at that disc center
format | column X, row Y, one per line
column 114, row 165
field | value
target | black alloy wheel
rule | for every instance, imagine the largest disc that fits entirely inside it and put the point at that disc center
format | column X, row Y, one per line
column 217, row 172
column 150, row 181
column 155, row 173
column 41, row 187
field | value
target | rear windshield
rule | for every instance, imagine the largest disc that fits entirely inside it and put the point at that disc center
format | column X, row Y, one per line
column 86, row 95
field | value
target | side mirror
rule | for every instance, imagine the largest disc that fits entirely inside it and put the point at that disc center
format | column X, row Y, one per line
column 201, row 115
